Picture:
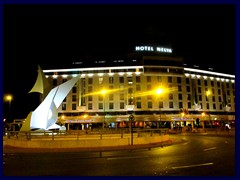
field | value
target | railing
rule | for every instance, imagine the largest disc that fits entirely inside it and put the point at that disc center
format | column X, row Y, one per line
column 84, row 134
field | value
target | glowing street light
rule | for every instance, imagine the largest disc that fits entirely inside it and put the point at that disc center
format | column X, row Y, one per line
column 103, row 92
column 9, row 99
column 159, row 91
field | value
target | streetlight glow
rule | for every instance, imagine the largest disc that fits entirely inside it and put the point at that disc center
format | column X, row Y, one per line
column 159, row 91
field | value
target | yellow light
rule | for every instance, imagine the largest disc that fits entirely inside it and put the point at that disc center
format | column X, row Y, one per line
column 159, row 91
column 85, row 116
column 9, row 97
column 203, row 114
column 63, row 117
column 103, row 91
column 182, row 114
column 208, row 93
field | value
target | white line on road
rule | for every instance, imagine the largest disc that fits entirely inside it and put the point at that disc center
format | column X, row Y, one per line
column 117, row 158
column 194, row 165
column 209, row 149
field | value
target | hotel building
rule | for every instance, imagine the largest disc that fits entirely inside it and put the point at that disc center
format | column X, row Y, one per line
column 150, row 85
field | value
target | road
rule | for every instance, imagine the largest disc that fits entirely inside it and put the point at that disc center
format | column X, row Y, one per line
column 195, row 156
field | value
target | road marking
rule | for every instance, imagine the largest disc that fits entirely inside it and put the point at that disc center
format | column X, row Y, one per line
column 209, row 149
column 117, row 158
column 194, row 165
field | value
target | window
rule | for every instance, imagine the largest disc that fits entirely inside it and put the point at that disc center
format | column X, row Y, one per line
column 228, row 92
column 219, row 99
column 159, row 79
column 170, row 96
column 199, row 90
column 130, row 100
column 179, row 80
column 100, row 97
column 74, row 106
column 227, row 85
column 149, row 104
column 149, row 87
column 74, row 98
column 189, row 97
column 74, row 89
column 121, row 96
column 139, row 105
column 148, row 78
column 219, row 92
column 218, row 84
column 89, row 89
column 90, row 80
column 213, row 92
column 111, row 106
column 170, row 79
column 200, row 97
column 121, row 79
column 121, row 105
column 130, row 80
column 179, row 88
column 100, row 106
column 160, row 105
column 207, row 105
column 180, row 105
column 188, row 88
column 138, row 87
column 149, row 97
column 179, row 96
column 212, row 83
column 199, row 82
column 214, row 106
column 100, row 80
column 64, row 107
column 130, row 91
column 90, row 98
column 187, row 81
column 89, row 106
column 170, row 104
column 220, row 106
column 205, row 82
column 189, row 105
column 138, row 80
column 213, row 98
column 110, row 80
column 111, row 97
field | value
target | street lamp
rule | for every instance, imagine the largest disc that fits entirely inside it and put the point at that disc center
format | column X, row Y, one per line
column 9, row 99
column 159, row 91
column 103, row 92
column 208, row 93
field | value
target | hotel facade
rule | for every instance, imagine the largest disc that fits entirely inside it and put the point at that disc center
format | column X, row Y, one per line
column 150, row 87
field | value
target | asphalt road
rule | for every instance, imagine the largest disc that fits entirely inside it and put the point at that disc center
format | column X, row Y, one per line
column 195, row 156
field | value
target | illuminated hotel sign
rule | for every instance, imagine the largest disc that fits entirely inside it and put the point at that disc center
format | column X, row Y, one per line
column 153, row 49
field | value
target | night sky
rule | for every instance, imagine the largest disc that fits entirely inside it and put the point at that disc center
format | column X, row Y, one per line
column 54, row 36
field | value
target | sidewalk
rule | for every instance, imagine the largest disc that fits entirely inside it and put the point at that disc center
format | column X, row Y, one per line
column 175, row 138
column 171, row 141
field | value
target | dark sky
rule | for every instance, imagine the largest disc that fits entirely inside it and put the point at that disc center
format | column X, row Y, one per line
column 55, row 35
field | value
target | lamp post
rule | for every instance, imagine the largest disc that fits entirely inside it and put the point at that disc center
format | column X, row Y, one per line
column 159, row 91
column 208, row 93
column 9, row 99
column 103, row 92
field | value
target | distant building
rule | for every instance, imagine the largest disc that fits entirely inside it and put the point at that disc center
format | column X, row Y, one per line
column 189, row 97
